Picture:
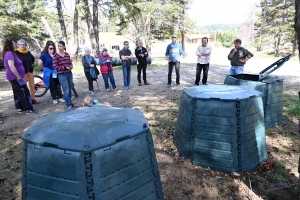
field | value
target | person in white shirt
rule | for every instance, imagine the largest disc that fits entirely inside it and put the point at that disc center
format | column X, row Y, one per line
column 203, row 52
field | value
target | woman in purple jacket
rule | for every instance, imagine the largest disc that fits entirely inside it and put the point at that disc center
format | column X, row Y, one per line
column 14, row 74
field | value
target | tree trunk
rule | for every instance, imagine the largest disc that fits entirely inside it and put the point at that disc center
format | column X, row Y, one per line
column 297, row 28
column 276, row 46
column 89, row 23
column 148, row 36
column 75, row 28
column 262, row 27
column 294, row 45
column 182, row 41
column 96, row 25
column 62, row 22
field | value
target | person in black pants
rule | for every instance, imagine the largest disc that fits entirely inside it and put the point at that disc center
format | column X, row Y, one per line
column 88, row 61
column 203, row 52
column 141, row 54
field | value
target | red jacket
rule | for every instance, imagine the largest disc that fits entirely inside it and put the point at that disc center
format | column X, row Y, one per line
column 104, row 68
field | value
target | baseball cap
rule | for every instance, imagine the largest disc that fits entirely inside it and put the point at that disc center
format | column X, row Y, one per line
column 174, row 36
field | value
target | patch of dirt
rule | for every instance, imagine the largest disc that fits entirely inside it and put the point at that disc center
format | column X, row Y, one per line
column 274, row 179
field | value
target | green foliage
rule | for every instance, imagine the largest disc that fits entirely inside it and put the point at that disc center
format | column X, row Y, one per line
column 21, row 19
column 279, row 23
column 292, row 104
column 227, row 38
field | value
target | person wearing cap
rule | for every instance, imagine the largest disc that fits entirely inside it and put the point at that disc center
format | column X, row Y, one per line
column 106, row 69
column 88, row 61
column 28, row 61
column 174, row 54
column 126, row 56
column 203, row 53
column 238, row 58
column 141, row 54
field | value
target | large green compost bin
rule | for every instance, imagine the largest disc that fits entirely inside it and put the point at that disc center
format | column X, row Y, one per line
column 270, row 86
column 100, row 153
column 221, row 127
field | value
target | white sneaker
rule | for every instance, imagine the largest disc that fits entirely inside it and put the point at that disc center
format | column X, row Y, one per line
column 55, row 101
column 107, row 90
column 61, row 100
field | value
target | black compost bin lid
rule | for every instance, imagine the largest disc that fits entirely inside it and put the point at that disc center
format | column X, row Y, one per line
column 264, row 73
column 86, row 128
column 222, row 92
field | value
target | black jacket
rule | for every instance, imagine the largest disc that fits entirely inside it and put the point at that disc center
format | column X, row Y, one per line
column 141, row 60
column 86, row 64
column 27, row 61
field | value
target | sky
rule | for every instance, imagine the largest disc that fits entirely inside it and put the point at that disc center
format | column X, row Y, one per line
column 206, row 12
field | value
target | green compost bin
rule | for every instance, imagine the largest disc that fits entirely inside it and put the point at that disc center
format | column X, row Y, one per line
column 97, row 152
column 221, row 127
column 270, row 86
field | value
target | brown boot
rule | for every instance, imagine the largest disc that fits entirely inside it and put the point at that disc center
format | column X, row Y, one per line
column 146, row 83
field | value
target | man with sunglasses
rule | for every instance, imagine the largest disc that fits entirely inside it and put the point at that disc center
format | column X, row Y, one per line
column 126, row 56
column 174, row 54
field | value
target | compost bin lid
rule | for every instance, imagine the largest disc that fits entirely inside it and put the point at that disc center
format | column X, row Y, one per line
column 264, row 73
column 86, row 128
column 222, row 92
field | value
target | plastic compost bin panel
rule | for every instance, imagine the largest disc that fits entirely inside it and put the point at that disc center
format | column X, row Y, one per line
column 272, row 89
column 90, row 153
column 183, row 125
column 226, row 122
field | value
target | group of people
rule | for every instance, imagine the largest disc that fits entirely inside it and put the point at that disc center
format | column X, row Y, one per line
column 106, row 66
column 238, row 57
column 57, row 68
column 19, row 64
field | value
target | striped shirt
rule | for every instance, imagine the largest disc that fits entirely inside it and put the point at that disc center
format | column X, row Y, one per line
column 60, row 63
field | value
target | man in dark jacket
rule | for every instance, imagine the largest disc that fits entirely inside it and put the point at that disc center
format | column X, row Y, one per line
column 238, row 58
column 141, row 54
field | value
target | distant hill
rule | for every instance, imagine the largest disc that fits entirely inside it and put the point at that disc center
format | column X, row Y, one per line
column 217, row 27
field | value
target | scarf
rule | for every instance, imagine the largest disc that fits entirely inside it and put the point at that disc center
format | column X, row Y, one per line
column 25, row 51
column 88, row 59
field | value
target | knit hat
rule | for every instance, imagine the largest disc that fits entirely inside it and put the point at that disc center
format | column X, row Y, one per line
column 104, row 49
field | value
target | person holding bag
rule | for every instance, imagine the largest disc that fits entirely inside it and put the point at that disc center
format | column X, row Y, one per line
column 88, row 62
column 49, row 74
column 14, row 74
column 107, row 69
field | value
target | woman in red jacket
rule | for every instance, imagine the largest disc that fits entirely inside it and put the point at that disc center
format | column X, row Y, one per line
column 106, row 69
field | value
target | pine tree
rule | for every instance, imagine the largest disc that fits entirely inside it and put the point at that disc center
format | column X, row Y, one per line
column 21, row 19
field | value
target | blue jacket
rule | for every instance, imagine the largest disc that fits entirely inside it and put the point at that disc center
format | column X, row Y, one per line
column 174, row 51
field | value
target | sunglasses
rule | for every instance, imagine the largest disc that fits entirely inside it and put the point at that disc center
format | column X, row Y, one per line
column 126, row 44
column 51, row 48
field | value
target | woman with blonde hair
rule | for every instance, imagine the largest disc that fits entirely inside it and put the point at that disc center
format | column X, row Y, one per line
column 28, row 61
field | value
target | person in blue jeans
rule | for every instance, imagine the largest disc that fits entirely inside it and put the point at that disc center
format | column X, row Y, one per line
column 63, row 65
column 238, row 58
column 107, row 69
column 126, row 56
